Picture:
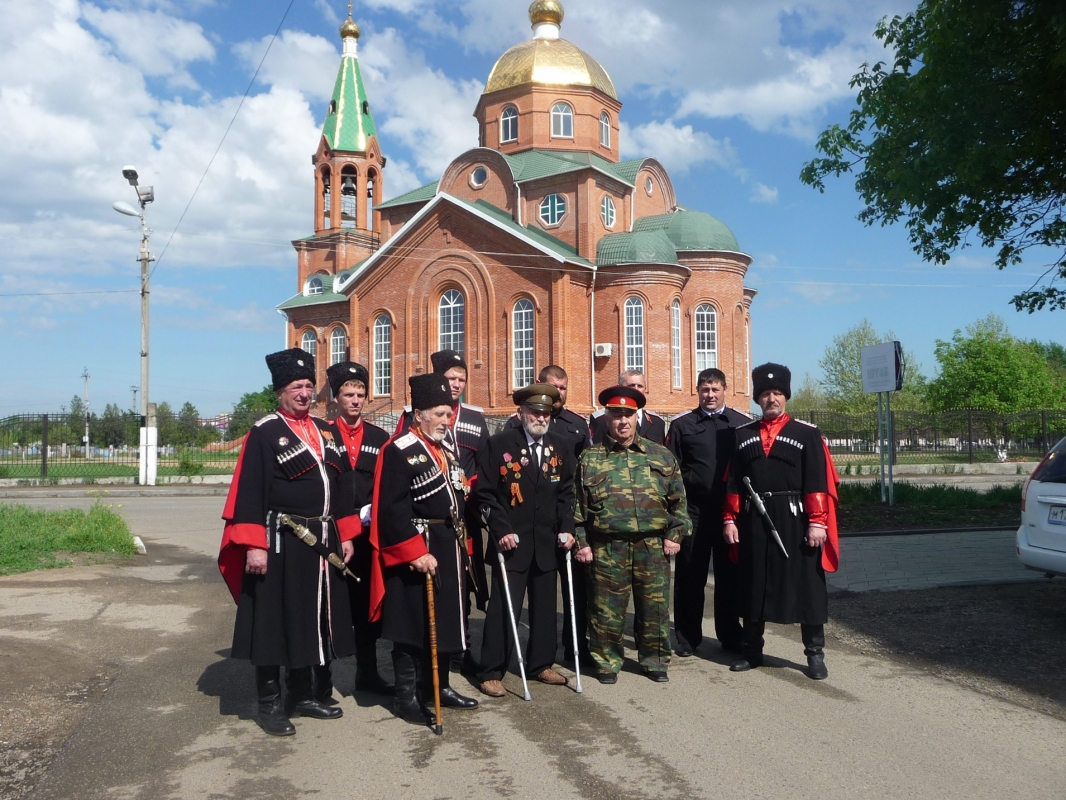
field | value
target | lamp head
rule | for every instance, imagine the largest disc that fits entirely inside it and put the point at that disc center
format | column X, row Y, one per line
column 125, row 208
column 146, row 194
column 129, row 172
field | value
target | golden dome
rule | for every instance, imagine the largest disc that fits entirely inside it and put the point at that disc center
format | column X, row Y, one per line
column 546, row 11
column 555, row 62
column 349, row 30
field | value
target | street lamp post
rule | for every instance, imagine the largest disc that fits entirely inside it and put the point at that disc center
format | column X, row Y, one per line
column 148, row 457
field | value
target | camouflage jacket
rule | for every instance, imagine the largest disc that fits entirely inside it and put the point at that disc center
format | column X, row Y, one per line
column 629, row 492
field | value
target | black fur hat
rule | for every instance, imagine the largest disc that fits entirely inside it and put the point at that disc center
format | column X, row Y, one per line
column 771, row 376
column 444, row 360
column 429, row 391
column 339, row 374
column 290, row 365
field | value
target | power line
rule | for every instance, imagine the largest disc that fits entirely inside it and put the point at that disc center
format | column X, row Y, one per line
column 240, row 105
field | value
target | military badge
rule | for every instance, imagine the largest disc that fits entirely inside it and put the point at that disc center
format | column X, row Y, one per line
column 283, row 441
column 422, row 458
column 525, row 461
column 412, row 460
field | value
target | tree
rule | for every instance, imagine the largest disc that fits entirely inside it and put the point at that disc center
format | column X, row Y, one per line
column 251, row 407
column 166, row 425
column 807, row 398
column 842, row 373
column 188, row 425
column 112, row 428
column 990, row 369
column 963, row 135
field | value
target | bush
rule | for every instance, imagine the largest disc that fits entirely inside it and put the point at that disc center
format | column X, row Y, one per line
column 188, row 468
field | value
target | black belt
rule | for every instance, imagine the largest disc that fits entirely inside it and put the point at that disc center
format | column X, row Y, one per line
column 305, row 520
column 768, row 495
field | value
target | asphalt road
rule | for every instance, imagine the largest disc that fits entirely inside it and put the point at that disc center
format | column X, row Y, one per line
column 172, row 718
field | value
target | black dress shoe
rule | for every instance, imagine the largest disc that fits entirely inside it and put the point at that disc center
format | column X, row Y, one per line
column 271, row 718
column 657, row 675
column 315, row 710
column 816, row 669
column 683, row 649
column 751, row 662
column 607, row 677
column 449, row 698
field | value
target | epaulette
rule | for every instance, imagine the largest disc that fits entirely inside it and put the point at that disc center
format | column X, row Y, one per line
column 683, row 413
column 748, row 424
column 407, row 409
column 267, row 418
column 652, row 414
column 478, row 409
column 598, row 414
column 744, row 414
column 804, row 422
column 405, row 441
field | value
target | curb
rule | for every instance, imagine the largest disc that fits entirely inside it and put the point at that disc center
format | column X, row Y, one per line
column 927, row 531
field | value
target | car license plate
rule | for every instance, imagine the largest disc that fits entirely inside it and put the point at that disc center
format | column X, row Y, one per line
column 1057, row 515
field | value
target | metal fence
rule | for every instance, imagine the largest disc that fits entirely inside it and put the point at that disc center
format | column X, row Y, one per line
column 968, row 435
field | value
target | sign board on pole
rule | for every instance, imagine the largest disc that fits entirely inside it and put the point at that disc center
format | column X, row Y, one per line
column 882, row 368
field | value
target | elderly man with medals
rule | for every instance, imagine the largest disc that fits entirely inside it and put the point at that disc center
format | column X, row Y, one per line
column 417, row 526
column 526, row 492
column 290, row 519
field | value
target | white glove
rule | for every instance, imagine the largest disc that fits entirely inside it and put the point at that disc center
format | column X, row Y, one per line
column 364, row 514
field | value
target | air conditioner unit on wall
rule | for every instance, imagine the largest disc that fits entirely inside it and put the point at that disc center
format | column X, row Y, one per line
column 604, row 350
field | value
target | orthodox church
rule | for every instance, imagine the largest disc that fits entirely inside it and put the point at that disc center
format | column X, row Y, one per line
column 539, row 246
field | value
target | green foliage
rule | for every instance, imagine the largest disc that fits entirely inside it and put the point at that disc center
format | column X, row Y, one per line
column 990, row 369
column 842, row 374
column 30, row 538
column 188, row 467
column 937, row 496
column 962, row 135
column 251, row 407
column 807, row 398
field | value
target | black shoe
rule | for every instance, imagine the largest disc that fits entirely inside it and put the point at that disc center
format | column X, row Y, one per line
column 683, row 649
column 315, row 710
column 816, row 669
column 449, row 698
column 657, row 675
column 606, row 676
column 271, row 713
column 406, row 705
column 745, row 664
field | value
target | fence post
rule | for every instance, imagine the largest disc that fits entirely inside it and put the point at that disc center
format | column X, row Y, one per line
column 44, row 447
column 969, row 426
column 1043, row 433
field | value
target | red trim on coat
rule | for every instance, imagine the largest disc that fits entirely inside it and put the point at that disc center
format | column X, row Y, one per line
column 817, row 506
column 237, row 538
column 349, row 527
column 404, row 552
column 831, row 549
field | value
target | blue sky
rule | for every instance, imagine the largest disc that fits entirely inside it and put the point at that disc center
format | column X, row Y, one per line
column 729, row 95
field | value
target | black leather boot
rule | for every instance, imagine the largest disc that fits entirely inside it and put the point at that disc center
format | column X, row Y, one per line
column 449, row 698
column 406, row 705
column 367, row 677
column 322, row 684
column 751, row 647
column 813, row 644
column 271, row 717
column 301, row 701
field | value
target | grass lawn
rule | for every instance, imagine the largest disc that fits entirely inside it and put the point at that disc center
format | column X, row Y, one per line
column 33, row 539
column 919, row 507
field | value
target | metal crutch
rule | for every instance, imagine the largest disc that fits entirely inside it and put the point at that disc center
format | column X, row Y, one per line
column 573, row 620
column 514, row 626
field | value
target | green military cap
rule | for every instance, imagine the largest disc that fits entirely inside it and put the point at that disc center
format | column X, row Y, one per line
column 539, row 396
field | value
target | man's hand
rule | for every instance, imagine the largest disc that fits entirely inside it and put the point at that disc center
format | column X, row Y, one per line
column 347, row 551
column 426, row 563
column 566, row 541
column 584, row 555
column 671, row 548
column 730, row 532
column 508, row 543
column 816, row 536
column 255, row 561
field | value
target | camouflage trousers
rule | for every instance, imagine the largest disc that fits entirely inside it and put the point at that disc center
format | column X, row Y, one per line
column 617, row 567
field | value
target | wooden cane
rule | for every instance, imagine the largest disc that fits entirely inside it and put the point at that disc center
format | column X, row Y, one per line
column 431, row 603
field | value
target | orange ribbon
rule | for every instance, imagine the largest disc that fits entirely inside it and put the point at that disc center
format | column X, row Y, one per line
column 516, row 494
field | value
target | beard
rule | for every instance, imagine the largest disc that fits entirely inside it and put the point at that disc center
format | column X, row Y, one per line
column 438, row 435
column 535, row 427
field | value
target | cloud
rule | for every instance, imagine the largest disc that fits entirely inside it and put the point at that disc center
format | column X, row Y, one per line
column 677, row 148
column 761, row 193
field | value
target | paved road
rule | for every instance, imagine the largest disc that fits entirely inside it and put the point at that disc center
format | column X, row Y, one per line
column 175, row 721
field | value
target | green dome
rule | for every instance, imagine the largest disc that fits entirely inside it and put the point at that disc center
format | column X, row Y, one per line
column 691, row 230
column 639, row 247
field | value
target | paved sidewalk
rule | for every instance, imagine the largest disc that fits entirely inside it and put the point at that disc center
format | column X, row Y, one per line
column 927, row 560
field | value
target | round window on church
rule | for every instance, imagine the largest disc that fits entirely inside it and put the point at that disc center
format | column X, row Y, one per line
column 649, row 186
column 478, row 177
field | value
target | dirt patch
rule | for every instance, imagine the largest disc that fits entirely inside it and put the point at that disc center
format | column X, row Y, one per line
column 1006, row 641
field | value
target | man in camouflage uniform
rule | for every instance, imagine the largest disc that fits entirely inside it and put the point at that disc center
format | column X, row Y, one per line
column 631, row 517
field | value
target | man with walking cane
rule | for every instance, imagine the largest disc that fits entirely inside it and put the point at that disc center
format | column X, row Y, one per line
column 526, row 492
column 419, row 496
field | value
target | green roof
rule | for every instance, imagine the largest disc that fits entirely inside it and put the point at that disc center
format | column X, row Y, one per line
column 349, row 125
column 645, row 247
column 627, row 170
column 422, row 193
column 530, row 231
column 691, row 230
column 533, row 164
column 313, row 300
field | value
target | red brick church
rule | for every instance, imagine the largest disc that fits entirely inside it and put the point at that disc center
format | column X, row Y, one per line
column 539, row 246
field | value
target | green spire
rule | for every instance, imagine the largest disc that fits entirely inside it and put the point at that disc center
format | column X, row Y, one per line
column 349, row 124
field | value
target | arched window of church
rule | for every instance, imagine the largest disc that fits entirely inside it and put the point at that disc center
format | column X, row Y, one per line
column 327, row 199
column 314, row 286
column 552, row 209
column 509, row 125
column 522, row 343
column 348, row 197
column 382, row 356
column 451, row 321
column 308, row 342
column 605, row 129
column 371, row 183
column 706, row 337
column 634, row 333
column 562, row 121
column 675, row 341
column 607, row 211
column 338, row 346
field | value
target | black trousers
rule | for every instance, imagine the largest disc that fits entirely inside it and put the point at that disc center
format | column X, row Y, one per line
column 497, row 642
column 367, row 633
column 813, row 638
column 691, row 568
